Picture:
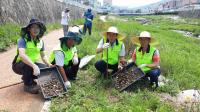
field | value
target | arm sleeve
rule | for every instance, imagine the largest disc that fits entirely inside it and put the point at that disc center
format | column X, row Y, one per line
column 74, row 50
column 134, row 55
column 21, row 43
column 123, row 51
column 42, row 49
column 156, row 56
column 92, row 17
column 62, row 14
column 100, row 45
column 59, row 58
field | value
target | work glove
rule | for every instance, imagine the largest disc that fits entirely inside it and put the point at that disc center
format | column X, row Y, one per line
column 67, row 84
column 120, row 67
column 130, row 61
column 36, row 70
column 75, row 60
column 106, row 45
column 142, row 65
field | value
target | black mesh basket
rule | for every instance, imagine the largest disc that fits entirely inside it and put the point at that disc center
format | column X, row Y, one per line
column 127, row 76
column 51, row 83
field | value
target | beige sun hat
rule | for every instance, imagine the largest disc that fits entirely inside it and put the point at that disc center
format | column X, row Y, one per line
column 114, row 29
column 144, row 34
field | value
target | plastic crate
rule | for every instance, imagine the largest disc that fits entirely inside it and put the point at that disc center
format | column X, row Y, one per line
column 51, row 80
column 127, row 76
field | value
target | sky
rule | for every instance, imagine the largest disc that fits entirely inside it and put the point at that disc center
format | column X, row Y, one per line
column 132, row 3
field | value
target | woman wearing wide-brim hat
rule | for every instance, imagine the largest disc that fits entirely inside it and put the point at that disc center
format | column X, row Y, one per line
column 146, row 56
column 65, row 56
column 112, row 49
column 30, row 48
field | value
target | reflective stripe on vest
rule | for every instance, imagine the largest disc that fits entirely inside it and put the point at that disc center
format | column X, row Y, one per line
column 113, row 53
column 68, row 54
column 144, row 58
column 32, row 50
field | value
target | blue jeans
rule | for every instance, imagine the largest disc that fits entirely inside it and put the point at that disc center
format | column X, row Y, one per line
column 153, row 74
column 101, row 66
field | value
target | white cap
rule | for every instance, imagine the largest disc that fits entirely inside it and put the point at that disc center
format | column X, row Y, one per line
column 145, row 34
column 112, row 29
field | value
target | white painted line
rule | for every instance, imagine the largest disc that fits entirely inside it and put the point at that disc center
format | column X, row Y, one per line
column 46, row 106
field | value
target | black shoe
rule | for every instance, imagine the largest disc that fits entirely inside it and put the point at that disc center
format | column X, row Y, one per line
column 33, row 89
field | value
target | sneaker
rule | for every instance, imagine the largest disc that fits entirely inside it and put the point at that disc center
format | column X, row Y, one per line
column 33, row 89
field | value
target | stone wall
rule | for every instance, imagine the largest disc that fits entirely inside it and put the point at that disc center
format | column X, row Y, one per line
column 48, row 11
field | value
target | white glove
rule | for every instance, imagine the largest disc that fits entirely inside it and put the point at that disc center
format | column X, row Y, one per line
column 67, row 84
column 142, row 65
column 75, row 60
column 130, row 61
column 106, row 45
column 120, row 67
column 36, row 70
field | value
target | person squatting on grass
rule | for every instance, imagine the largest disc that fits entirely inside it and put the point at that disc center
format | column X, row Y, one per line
column 65, row 56
column 113, row 51
column 30, row 48
column 147, row 57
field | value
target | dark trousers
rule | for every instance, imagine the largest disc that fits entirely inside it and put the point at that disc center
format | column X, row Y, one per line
column 89, row 27
column 101, row 66
column 65, row 29
column 26, row 71
column 153, row 74
column 71, row 70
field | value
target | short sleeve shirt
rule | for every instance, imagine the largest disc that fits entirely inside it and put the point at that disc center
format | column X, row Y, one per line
column 22, row 44
column 59, row 57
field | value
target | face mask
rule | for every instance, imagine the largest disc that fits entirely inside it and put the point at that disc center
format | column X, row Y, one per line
column 37, row 31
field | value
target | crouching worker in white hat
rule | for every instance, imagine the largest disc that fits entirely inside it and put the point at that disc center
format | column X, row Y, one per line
column 113, row 51
column 66, row 58
column 147, row 57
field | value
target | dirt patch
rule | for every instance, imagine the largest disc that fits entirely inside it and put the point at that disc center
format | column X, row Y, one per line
column 113, row 99
column 143, row 21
